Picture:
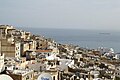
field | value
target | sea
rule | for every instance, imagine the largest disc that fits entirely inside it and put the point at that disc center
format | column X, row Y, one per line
column 90, row 39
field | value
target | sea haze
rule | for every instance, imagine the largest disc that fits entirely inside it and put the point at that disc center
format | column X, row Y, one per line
column 83, row 38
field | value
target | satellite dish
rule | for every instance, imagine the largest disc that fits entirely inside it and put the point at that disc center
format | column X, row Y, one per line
column 5, row 77
column 45, row 76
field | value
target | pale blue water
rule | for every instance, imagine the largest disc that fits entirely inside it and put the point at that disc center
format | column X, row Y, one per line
column 83, row 38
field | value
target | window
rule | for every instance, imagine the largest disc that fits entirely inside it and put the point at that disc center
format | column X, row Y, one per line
column 52, row 64
column 40, row 44
column 53, row 77
column 57, row 63
column 16, row 54
column 118, row 74
column 31, row 75
column 27, row 78
column 40, row 68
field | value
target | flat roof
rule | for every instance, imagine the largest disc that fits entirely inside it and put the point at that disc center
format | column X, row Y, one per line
column 48, row 50
column 21, row 72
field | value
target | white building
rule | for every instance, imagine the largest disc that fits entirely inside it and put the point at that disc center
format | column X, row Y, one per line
column 117, row 56
column 2, row 67
column 117, row 72
column 17, row 50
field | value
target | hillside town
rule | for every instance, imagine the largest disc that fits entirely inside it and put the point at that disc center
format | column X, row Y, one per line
column 25, row 56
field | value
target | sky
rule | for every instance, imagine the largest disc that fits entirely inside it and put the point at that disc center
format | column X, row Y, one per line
column 77, row 14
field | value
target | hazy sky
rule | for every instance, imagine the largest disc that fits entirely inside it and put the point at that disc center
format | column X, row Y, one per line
column 83, row 14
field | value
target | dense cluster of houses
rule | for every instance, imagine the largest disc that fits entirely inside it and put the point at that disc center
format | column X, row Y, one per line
column 24, row 56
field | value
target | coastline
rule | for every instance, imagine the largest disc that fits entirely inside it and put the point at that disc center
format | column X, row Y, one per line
column 83, row 38
column 29, row 54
